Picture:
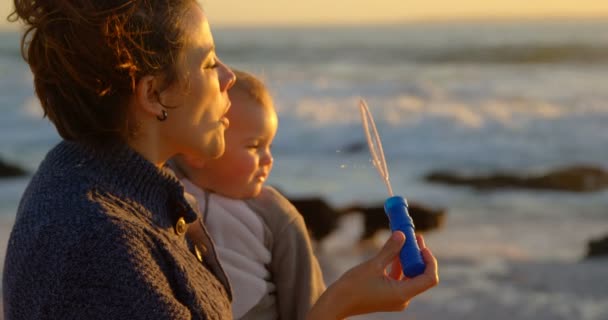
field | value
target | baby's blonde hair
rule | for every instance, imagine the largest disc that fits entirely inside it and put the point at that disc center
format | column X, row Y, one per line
column 251, row 86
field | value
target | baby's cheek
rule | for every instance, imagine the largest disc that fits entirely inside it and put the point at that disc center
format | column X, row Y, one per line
column 241, row 171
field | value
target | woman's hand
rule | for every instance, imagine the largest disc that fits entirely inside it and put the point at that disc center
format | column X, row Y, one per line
column 369, row 288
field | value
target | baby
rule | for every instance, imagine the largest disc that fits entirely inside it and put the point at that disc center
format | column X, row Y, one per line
column 261, row 239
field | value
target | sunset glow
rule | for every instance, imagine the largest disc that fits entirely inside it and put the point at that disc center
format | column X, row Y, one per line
column 273, row 12
column 238, row 12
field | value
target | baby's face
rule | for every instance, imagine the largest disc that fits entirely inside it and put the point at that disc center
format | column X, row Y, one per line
column 246, row 163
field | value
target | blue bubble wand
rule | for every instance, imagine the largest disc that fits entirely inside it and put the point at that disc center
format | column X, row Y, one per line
column 395, row 207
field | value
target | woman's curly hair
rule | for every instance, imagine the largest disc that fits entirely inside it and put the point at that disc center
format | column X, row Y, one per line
column 88, row 55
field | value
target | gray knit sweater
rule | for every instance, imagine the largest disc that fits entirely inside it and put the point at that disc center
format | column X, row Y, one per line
column 95, row 237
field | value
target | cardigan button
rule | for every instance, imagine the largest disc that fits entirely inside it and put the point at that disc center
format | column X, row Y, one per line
column 180, row 226
column 198, row 253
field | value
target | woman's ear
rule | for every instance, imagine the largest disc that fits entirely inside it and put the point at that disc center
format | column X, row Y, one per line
column 147, row 97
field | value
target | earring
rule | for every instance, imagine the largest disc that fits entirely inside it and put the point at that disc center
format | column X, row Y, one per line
column 162, row 117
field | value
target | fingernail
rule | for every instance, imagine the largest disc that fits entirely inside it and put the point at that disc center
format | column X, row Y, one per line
column 396, row 236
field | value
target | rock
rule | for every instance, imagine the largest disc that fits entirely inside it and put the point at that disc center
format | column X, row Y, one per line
column 425, row 218
column 8, row 170
column 355, row 147
column 575, row 179
column 579, row 178
column 320, row 218
column 597, row 247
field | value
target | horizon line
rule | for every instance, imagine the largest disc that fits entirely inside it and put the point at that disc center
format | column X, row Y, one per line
column 422, row 20
column 16, row 26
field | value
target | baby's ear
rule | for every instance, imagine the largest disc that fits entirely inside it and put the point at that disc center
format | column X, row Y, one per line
column 194, row 162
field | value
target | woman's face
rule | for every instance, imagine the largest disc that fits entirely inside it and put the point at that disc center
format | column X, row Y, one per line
column 195, row 127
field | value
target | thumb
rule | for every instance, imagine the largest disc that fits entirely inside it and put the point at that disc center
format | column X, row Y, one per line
column 390, row 249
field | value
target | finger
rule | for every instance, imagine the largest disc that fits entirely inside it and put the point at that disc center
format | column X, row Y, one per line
column 430, row 261
column 390, row 249
column 424, row 281
column 395, row 272
column 420, row 241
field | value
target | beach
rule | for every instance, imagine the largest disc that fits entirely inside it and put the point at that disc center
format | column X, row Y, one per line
column 501, row 270
column 488, row 269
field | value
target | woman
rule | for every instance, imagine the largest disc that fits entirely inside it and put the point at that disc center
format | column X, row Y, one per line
column 101, row 229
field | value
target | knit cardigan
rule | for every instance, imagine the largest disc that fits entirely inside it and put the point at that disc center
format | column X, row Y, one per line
column 99, row 234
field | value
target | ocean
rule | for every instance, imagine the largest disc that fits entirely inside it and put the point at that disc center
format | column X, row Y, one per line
column 476, row 97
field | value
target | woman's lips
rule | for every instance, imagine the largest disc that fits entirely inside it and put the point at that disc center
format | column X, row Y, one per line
column 225, row 122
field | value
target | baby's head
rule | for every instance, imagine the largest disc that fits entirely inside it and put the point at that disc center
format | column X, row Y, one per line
column 246, row 163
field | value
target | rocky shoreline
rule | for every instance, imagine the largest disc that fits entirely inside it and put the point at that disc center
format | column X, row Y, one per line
column 580, row 178
column 8, row 170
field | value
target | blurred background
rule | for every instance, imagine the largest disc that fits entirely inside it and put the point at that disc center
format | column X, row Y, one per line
column 494, row 111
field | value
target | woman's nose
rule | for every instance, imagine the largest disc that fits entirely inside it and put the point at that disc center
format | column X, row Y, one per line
column 227, row 77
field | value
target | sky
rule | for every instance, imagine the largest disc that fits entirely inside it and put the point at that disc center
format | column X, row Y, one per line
column 232, row 12
column 285, row 12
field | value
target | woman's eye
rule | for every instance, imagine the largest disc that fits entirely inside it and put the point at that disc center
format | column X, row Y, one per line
column 211, row 65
